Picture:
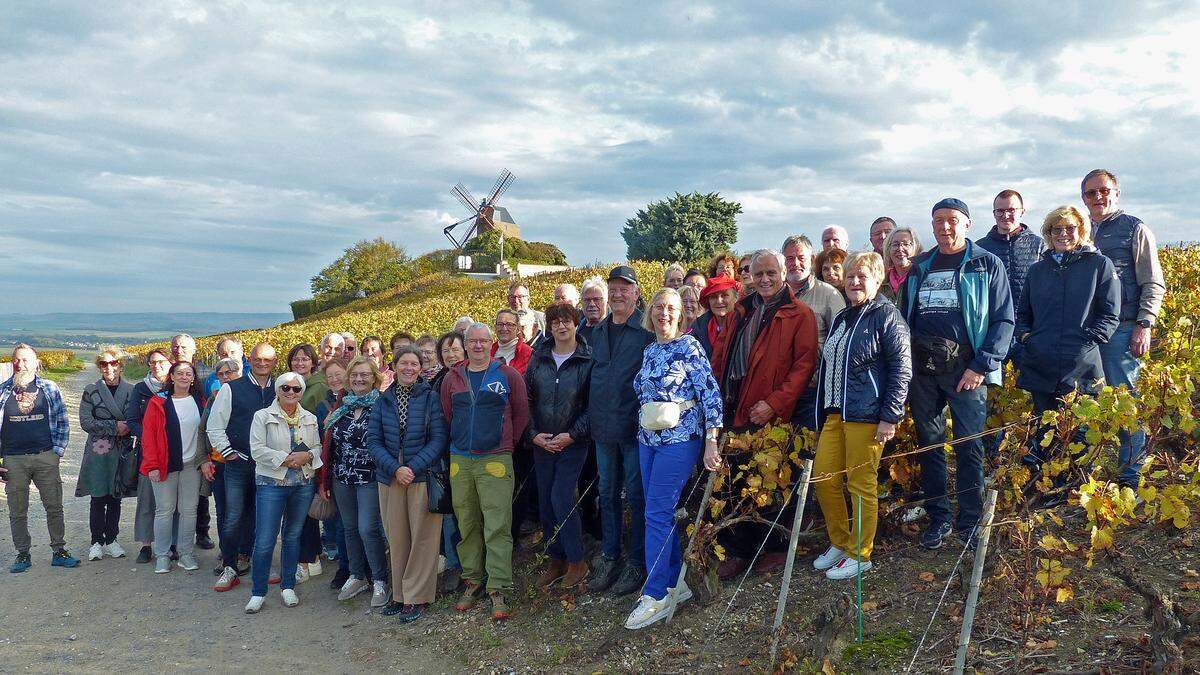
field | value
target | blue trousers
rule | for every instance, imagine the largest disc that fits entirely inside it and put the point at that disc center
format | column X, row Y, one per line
column 558, row 478
column 928, row 396
column 619, row 467
column 450, row 539
column 246, row 545
column 275, row 505
column 665, row 470
column 1122, row 368
column 237, row 525
column 358, row 506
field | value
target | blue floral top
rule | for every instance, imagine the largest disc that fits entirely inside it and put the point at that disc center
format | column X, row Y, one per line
column 678, row 371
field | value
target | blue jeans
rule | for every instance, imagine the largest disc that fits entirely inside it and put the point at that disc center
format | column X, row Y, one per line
column 275, row 504
column 358, row 506
column 665, row 470
column 450, row 539
column 928, row 396
column 1122, row 368
column 237, row 523
column 558, row 479
column 618, row 464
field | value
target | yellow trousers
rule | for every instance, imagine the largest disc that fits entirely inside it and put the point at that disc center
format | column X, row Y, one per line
column 842, row 446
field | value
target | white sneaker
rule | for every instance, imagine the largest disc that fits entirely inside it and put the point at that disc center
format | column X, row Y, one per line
column 96, row 552
column 832, row 556
column 352, row 587
column 114, row 550
column 255, row 604
column 380, row 596
column 913, row 514
column 301, row 574
column 290, row 599
column 162, row 564
column 685, row 594
column 188, row 562
column 647, row 612
column 314, row 568
column 848, row 568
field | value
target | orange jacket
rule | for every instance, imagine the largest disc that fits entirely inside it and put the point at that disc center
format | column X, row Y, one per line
column 782, row 361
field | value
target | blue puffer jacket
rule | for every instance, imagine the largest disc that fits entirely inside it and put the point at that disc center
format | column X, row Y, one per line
column 878, row 365
column 425, row 437
column 1067, row 309
column 1018, row 252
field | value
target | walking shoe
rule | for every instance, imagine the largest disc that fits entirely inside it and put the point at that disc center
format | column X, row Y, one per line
column 913, row 514
column 469, row 597
column 685, row 594
column 243, row 565
column 205, row 542
column 22, row 563
column 770, row 562
column 451, row 580
column 393, row 608
column 380, row 595
column 630, row 581
column 499, row 609
column 227, row 581
column 648, row 611
column 162, row 565
column 114, row 550
column 339, row 578
column 732, row 567
column 848, row 568
column 145, row 555
column 255, row 604
column 63, row 558
column 301, row 573
column 290, row 599
column 576, row 573
column 831, row 557
column 412, row 612
column 553, row 572
column 352, row 587
column 96, row 552
column 188, row 562
column 935, row 534
column 604, row 573
column 314, row 568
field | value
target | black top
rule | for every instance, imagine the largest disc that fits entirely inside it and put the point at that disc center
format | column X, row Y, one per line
column 26, row 433
column 939, row 312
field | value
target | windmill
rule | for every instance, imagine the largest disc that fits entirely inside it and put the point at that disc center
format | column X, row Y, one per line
column 485, row 214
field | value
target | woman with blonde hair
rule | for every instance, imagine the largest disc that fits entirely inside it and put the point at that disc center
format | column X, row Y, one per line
column 102, row 417
column 901, row 247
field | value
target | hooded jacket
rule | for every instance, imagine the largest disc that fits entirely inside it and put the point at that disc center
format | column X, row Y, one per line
column 558, row 396
column 487, row 421
column 878, row 365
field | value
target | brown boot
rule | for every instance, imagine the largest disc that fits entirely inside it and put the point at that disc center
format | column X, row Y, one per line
column 577, row 573
column 499, row 608
column 554, row 572
column 469, row 596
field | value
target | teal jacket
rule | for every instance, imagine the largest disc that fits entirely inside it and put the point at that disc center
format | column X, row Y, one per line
column 986, row 302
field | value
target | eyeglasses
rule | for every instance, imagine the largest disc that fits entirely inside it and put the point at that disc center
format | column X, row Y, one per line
column 562, row 322
column 505, row 324
column 1056, row 231
column 291, row 388
column 108, row 364
column 1097, row 192
column 1001, row 212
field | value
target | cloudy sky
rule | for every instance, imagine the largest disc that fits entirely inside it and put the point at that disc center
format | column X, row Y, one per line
column 209, row 156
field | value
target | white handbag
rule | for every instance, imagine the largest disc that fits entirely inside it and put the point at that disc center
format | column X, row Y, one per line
column 660, row 415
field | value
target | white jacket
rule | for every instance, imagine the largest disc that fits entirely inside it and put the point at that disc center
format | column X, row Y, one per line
column 270, row 442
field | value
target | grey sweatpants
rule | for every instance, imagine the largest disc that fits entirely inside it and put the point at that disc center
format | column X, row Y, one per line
column 143, row 516
column 177, row 494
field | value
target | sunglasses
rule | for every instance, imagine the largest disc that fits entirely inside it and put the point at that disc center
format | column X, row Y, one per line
column 744, row 269
column 105, row 364
column 291, row 388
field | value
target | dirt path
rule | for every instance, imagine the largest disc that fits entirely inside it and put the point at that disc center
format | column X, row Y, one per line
column 116, row 615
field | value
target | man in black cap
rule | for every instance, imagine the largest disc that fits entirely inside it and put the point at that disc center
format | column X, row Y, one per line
column 959, row 308
column 617, row 346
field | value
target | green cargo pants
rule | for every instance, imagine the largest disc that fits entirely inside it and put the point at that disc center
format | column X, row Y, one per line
column 40, row 469
column 482, row 489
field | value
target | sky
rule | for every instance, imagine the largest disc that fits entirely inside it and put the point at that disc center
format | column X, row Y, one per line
column 190, row 156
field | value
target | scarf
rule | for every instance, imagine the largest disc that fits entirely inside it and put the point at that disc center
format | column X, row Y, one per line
column 429, row 373
column 293, row 420
column 739, row 352
column 403, row 393
column 895, row 279
column 507, row 351
column 153, row 384
column 350, row 403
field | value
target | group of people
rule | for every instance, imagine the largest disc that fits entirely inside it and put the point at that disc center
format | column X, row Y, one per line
column 519, row 419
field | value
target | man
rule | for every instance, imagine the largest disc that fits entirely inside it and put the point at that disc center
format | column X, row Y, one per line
column 229, row 432
column 1130, row 244
column 518, row 300
column 835, row 236
column 183, row 348
column 959, row 307
column 824, row 300
column 509, row 348
column 567, row 293
column 618, row 343
column 595, row 306
column 33, row 439
column 513, row 352
column 333, row 346
column 227, row 348
column 770, row 363
column 401, row 338
column 880, row 229
column 487, row 408
column 349, row 345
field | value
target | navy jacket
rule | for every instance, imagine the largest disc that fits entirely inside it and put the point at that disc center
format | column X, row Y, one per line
column 425, row 438
column 611, row 397
column 1018, row 252
column 558, row 397
column 1067, row 309
column 135, row 408
column 246, row 399
column 878, row 365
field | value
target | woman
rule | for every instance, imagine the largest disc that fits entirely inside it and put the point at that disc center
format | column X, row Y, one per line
column 695, row 279
column 333, row 374
column 557, row 380
column 674, row 371
column 348, row 477
column 862, row 382
column 692, row 309
column 302, row 359
column 673, row 276
column 226, row 370
column 899, row 250
column 450, row 351
column 714, row 327
column 102, row 417
column 744, row 275
column 829, row 265
column 430, row 367
column 172, row 451
column 372, row 346
column 723, row 264
column 283, row 442
column 407, row 436
column 158, row 364
column 1069, row 306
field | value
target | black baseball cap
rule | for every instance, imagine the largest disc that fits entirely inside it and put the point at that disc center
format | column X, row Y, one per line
column 625, row 273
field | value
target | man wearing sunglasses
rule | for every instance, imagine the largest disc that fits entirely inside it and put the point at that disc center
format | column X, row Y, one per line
column 1131, row 246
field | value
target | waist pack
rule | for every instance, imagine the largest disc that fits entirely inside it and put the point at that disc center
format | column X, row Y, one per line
column 933, row 355
column 660, row 415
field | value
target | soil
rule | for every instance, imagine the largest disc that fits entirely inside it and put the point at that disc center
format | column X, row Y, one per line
column 115, row 614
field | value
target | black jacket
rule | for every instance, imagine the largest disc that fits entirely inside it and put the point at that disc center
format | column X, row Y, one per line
column 1066, row 310
column 558, row 397
column 878, row 365
column 611, row 397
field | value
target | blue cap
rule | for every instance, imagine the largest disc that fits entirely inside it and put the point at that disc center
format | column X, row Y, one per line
column 952, row 203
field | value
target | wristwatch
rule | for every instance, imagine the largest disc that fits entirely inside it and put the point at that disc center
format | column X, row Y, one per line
column 710, row 435
column 1144, row 323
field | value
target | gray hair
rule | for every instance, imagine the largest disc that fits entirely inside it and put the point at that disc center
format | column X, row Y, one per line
column 461, row 320
column 329, row 338
column 184, row 336
column 288, row 377
column 227, row 340
column 887, row 243
column 349, row 336
column 234, row 365
column 484, row 326
column 773, row 254
column 796, row 240
column 594, row 282
column 568, row 289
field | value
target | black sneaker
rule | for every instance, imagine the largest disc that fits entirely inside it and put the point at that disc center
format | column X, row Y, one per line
column 205, row 542
column 411, row 613
column 339, row 579
column 935, row 534
column 174, row 554
column 604, row 573
column 968, row 538
column 393, row 608
column 631, row 580
column 145, row 555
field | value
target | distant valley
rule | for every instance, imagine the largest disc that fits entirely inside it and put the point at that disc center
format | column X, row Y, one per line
column 83, row 330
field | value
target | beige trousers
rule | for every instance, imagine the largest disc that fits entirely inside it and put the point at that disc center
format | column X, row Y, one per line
column 414, row 539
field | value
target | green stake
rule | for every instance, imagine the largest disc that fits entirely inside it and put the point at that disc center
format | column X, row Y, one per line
column 859, row 552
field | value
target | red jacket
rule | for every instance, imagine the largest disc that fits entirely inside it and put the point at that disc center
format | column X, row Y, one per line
column 782, row 360
column 520, row 359
column 162, row 446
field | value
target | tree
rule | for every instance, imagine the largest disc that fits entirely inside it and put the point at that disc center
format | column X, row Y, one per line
column 364, row 268
column 685, row 227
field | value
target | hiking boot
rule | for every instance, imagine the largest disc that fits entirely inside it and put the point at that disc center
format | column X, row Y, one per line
column 499, row 609
column 23, row 562
column 603, row 575
column 227, row 581
column 576, row 573
column 412, row 612
column 554, row 571
column 935, row 534
column 770, row 562
column 630, row 581
column 63, row 558
column 451, row 580
column 732, row 567
column 469, row 597
column 145, row 555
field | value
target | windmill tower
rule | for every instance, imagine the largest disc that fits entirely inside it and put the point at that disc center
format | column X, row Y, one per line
column 486, row 215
